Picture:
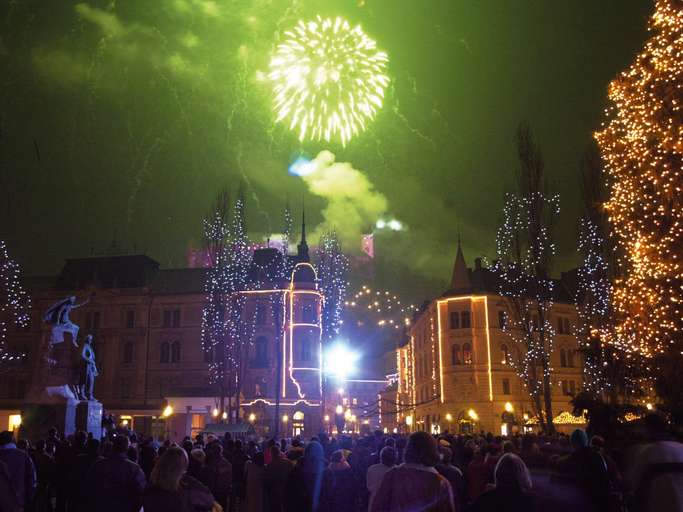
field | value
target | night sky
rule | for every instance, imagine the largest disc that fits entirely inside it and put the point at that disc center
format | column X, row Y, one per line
column 127, row 117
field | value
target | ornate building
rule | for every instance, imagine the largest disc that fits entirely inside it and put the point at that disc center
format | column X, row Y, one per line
column 146, row 324
column 456, row 372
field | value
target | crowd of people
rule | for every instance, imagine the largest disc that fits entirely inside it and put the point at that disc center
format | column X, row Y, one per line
column 375, row 473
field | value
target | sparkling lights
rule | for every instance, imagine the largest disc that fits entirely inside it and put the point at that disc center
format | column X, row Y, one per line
column 14, row 303
column 641, row 144
column 328, row 79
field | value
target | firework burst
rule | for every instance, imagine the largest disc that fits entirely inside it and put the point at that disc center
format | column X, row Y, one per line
column 328, row 79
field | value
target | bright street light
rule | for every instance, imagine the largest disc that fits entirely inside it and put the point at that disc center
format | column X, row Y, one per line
column 168, row 410
column 339, row 409
column 340, row 361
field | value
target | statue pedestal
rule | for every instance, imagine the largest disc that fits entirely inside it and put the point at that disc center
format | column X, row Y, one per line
column 68, row 417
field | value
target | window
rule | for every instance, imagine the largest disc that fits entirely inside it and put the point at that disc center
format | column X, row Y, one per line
column 504, row 354
column 175, row 352
column 455, row 355
column 572, row 387
column 164, row 352
column 570, row 358
column 563, row 358
column 260, row 352
column 502, row 319
column 560, row 325
column 506, row 386
column 172, row 318
column 455, row 320
column 305, row 349
column 260, row 314
column 465, row 320
column 128, row 352
column 125, row 387
column 565, row 387
column 467, row 353
column 130, row 319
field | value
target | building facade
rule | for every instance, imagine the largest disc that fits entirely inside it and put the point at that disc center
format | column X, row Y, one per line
column 146, row 324
column 457, row 372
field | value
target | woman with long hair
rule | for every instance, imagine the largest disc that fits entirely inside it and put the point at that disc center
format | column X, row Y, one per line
column 172, row 490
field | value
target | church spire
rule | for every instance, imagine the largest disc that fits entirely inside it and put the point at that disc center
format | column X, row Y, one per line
column 461, row 275
column 302, row 248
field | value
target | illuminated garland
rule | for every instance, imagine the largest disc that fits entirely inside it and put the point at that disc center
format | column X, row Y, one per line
column 15, row 303
column 386, row 308
column 333, row 267
column 641, row 144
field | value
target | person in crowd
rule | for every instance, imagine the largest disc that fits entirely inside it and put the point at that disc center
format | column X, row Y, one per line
column 453, row 475
column 81, row 497
column 217, row 474
column 387, row 460
column 148, row 456
column 197, row 461
column 305, row 480
column 20, row 468
column 340, row 486
column 275, row 479
column 117, row 482
column 238, row 458
column 512, row 491
column 172, row 490
column 254, row 478
column 8, row 498
column 653, row 469
column 416, row 484
column 45, row 466
column 589, row 470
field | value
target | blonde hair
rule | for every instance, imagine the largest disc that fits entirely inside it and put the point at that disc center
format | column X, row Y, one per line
column 169, row 469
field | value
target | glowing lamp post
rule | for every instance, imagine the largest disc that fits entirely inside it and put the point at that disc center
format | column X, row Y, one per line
column 166, row 414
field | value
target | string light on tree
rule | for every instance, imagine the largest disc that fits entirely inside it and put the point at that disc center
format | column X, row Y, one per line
column 14, row 304
column 333, row 267
column 642, row 146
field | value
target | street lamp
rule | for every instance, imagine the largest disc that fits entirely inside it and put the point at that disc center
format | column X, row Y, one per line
column 509, row 407
column 340, row 361
column 252, row 417
column 473, row 415
column 449, row 416
column 166, row 413
column 215, row 412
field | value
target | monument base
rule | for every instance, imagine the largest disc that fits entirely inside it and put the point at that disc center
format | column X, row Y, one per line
column 67, row 417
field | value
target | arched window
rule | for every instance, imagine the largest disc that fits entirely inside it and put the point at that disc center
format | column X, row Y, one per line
column 260, row 314
column 164, row 352
column 455, row 320
column 175, row 352
column 261, row 351
column 128, row 352
column 455, row 355
column 570, row 358
column 465, row 322
column 504, row 354
column 467, row 353
column 563, row 357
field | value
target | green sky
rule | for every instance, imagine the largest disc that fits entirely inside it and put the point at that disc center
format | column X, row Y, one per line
column 129, row 116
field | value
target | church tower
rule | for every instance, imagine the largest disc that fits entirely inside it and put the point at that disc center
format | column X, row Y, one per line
column 460, row 280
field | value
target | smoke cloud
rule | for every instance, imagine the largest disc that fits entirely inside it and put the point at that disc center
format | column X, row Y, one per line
column 353, row 205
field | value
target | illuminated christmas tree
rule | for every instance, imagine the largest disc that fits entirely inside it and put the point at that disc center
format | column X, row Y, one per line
column 14, row 304
column 641, row 144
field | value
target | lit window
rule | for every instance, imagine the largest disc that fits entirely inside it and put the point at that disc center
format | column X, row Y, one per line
column 455, row 355
column 504, row 355
column 455, row 320
column 467, row 353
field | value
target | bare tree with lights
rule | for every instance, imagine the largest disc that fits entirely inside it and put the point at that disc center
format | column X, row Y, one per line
column 217, row 289
column 641, row 144
column 333, row 267
column 525, row 251
column 14, row 305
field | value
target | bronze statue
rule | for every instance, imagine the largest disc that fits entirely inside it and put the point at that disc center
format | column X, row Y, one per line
column 88, row 371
